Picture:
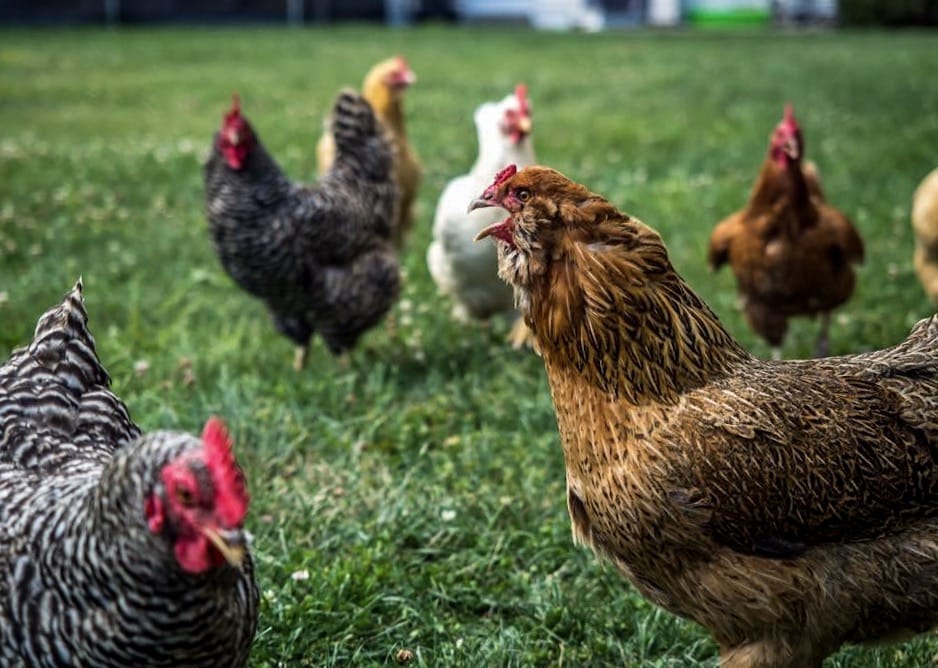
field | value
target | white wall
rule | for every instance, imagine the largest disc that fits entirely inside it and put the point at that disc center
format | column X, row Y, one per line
column 547, row 14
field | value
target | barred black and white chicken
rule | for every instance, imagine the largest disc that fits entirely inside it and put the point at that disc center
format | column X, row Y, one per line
column 116, row 548
column 319, row 256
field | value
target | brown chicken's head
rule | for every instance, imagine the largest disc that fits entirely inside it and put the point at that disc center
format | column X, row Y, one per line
column 545, row 210
column 199, row 503
column 787, row 143
column 516, row 119
column 393, row 74
column 236, row 136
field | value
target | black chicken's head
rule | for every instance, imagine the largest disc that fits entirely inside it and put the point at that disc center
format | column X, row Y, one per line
column 199, row 503
column 236, row 137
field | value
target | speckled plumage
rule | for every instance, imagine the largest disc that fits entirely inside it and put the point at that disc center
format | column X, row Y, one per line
column 83, row 582
column 788, row 507
column 319, row 256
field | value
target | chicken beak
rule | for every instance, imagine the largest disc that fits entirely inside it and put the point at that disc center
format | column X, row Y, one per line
column 480, row 203
column 524, row 124
column 488, row 231
column 230, row 542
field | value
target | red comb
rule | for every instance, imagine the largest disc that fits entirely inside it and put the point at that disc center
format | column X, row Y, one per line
column 521, row 92
column 231, row 497
column 235, row 111
column 789, row 117
column 504, row 175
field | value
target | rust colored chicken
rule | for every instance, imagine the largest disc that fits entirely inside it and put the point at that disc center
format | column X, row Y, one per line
column 788, row 507
column 791, row 252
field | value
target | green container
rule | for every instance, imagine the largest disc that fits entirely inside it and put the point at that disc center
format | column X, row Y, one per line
column 725, row 13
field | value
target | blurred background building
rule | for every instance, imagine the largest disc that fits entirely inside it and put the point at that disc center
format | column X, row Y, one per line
column 545, row 14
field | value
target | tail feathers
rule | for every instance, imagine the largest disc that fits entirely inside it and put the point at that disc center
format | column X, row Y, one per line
column 916, row 355
column 925, row 332
column 353, row 120
column 63, row 345
column 55, row 404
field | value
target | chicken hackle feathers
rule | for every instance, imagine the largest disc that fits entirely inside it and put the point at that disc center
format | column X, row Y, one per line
column 462, row 269
column 319, row 256
column 116, row 548
column 788, row 507
column 791, row 252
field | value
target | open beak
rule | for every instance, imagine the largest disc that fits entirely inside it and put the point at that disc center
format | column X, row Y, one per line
column 230, row 542
column 489, row 231
column 480, row 203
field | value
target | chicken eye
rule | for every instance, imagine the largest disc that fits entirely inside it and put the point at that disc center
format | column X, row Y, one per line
column 185, row 497
column 523, row 195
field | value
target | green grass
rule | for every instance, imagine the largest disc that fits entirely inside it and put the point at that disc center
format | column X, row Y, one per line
column 422, row 489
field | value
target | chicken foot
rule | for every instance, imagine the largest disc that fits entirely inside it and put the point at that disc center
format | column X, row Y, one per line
column 822, row 346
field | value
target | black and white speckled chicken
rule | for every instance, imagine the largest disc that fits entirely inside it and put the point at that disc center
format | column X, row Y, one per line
column 116, row 548
column 319, row 256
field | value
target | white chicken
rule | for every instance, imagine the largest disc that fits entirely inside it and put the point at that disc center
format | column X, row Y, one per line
column 461, row 268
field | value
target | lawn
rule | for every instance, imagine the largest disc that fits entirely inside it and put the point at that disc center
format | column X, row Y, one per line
column 415, row 500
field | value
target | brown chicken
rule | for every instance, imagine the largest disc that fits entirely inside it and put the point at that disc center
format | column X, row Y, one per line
column 925, row 224
column 384, row 88
column 791, row 252
column 788, row 507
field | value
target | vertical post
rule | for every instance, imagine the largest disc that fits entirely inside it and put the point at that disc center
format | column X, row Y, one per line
column 398, row 12
column 112, row 12
column 295, row 12
column 320, row 11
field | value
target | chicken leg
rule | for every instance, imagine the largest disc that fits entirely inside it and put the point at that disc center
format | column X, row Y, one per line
column 520, row 336
column 761, row 655
column 299, row 357
column 822, row 346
